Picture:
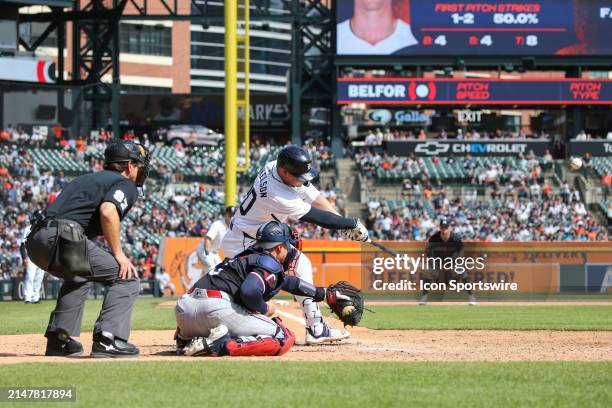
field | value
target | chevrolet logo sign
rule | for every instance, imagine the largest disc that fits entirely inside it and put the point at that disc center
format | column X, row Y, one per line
column 432, row 148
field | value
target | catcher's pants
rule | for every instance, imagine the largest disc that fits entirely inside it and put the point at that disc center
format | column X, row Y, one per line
column 33, row 281
column 116, row 314
column 196, row 314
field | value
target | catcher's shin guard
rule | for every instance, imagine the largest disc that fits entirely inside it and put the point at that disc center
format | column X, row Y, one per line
column 270, row 346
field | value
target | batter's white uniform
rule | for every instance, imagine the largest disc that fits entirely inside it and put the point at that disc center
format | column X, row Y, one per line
column 270, row 199
column 34, row 277
column 215, row 233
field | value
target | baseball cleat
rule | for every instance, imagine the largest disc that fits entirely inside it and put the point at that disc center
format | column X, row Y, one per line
column 423, row 300
column 472, row 300
column 213, row 345
column 328, row 335
column 60, row 344
column 106, row 345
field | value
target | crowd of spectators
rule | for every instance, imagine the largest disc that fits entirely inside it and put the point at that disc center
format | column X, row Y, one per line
column 525, row 169
column 184, row 212
column 549, row 217
column 583, row 135
column 523, row 206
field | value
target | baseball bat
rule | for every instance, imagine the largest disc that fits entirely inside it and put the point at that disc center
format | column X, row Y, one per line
column 383, row 248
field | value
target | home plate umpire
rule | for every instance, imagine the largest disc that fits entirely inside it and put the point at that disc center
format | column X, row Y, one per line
column 62, row 243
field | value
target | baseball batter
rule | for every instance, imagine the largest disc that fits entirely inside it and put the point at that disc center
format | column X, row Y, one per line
column 283, row 191
column 208, row 249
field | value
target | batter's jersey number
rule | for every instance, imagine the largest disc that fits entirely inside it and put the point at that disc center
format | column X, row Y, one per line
column 248, row 202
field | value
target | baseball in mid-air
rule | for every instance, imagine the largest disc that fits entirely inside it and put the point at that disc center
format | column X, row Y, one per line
column 575, row 163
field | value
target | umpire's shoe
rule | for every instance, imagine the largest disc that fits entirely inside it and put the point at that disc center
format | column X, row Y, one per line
column 324, row 335
column 105, row 344
column 60, row 344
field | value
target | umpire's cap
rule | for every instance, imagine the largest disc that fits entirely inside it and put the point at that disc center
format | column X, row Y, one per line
column 119, row 151
column 297, row 161
column 273, row 233
column 444, row 223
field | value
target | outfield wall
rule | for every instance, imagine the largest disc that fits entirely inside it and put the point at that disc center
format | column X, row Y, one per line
column 536, row 267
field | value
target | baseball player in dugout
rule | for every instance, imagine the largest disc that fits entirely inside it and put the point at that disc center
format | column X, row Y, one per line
column 445, row 244
column 225, row 312
column 283, row 190
column 34, row 275
column 62, row 242
column 208, row 249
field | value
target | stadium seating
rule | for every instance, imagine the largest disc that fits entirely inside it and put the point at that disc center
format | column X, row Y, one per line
column 602, row 165
column 446, row 169
column 58, row 160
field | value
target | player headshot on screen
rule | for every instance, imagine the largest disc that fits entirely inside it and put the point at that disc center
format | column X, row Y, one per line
column 373, row 29
column 588, row 28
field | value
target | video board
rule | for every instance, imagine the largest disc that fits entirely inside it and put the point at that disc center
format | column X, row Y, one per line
column 474, row 27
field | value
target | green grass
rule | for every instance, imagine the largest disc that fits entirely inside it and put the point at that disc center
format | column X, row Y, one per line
column 275, row 383
column 18, row 318
column 489, row 317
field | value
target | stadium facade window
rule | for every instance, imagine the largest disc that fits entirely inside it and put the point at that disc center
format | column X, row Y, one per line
column 32, row 31
column 133, row 89
column 146, row 39
column 270, row 47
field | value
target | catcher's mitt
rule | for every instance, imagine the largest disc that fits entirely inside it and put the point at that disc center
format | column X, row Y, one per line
column 346, row 301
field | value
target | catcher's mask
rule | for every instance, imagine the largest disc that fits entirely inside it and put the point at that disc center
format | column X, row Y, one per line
column 274, row 233
column 120, row 151
column 292, row 255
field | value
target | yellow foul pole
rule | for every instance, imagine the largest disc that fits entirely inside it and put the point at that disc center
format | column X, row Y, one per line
column 231, row 99
column 244, row 96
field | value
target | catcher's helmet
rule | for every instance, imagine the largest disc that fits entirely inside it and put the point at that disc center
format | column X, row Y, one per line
column 120, row 151
column 273, row 233
column 297, row 161
column 230, row 210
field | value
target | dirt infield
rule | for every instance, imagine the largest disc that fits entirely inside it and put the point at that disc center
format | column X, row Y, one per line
column 370, row 345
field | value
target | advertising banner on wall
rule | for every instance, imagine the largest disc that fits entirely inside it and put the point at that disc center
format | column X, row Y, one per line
column 594, row 147
column 27, row 70
column 463, row 147
column 452, row 91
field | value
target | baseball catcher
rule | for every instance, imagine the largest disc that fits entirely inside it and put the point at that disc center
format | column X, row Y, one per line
column 225, row 312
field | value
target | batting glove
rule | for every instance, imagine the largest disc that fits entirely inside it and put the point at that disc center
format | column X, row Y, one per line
column 359, row 233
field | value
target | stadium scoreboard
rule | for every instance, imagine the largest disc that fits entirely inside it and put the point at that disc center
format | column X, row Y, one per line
column 498, row 28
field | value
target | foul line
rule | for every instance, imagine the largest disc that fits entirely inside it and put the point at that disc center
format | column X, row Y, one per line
column 291, row 316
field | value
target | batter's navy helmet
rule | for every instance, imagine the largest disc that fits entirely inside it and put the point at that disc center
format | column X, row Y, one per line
column 273, row 233
column 297, row 161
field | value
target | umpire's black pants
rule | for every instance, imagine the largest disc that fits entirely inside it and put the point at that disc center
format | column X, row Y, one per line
column 116, row 314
